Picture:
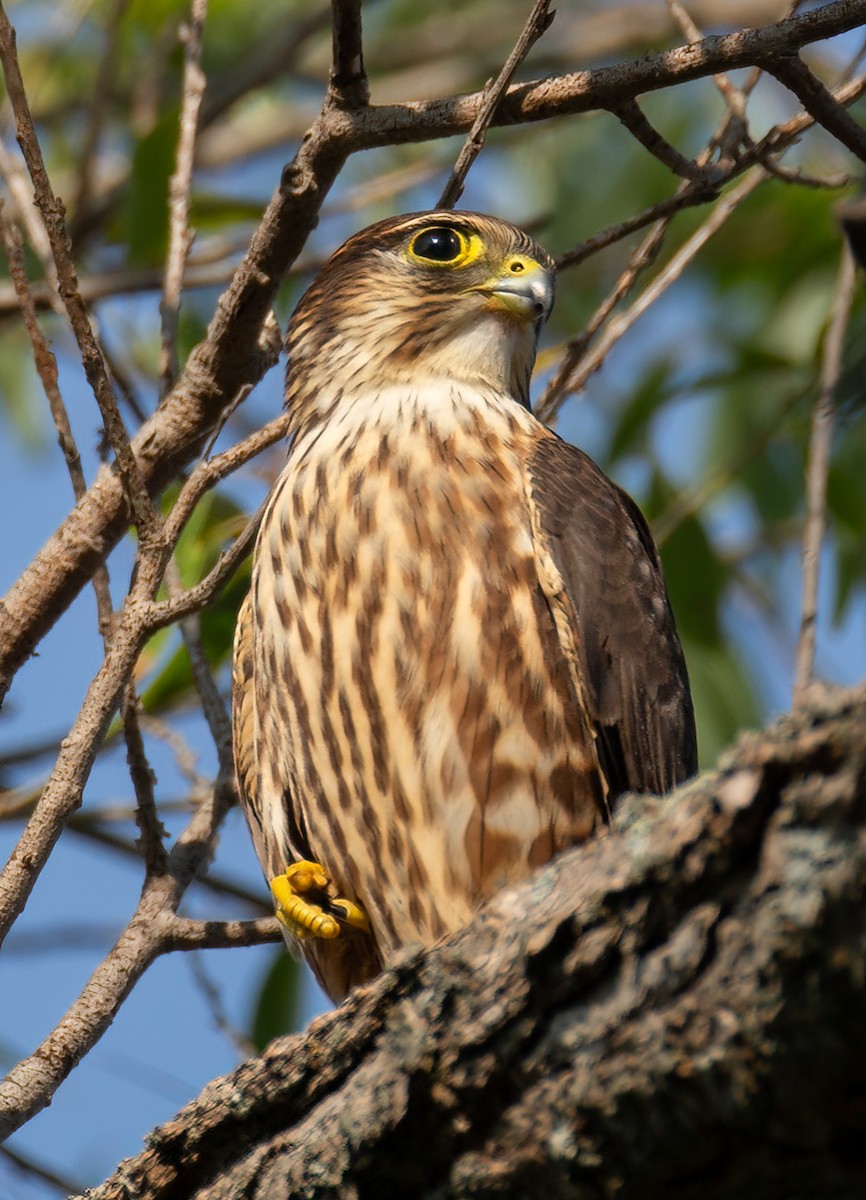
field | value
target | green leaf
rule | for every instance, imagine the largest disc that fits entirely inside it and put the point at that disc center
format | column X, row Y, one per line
column 724, row 697
column 146, row 203
column 215, row 520
column 277, row 1008
column 21, row 394
column 629, row 434
column 850, row 570
column 696, row 578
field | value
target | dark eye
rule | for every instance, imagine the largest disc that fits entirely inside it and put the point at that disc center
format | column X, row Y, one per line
column 439, row 244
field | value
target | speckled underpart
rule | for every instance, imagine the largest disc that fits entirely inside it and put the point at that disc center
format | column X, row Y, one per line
column 457, row 649
column 405, row 660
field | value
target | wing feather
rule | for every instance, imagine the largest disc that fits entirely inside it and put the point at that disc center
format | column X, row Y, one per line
column 634, row 681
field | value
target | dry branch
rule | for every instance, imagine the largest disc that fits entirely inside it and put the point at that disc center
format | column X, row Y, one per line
column 672, row 1010
column 537, row 23
column 180, row 236
column 817, row 100
column 818, row 469
column 53, row 215
column 154, row 929
column 347, row 87
column 630, row 114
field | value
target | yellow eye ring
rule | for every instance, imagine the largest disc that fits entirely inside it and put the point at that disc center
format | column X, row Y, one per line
column 443, row 246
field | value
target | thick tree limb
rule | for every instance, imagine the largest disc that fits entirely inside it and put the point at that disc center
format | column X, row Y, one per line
column 233, row 357
column 675, row 1009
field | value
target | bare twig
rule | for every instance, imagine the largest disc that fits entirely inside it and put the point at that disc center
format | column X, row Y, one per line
column 26, row 215
column 568, row 378
column 211, row 471
column 538, row 21
column 213, row 705
column 796, row 175
column 348, row 86
column 686, row 198
column 630, row 114
column 46, row 363
column 53, row 215
column 183, row 933
column 781, row 136
column 817, row 470
column 818, row 100
column 160, row 613
column 214, row 1001
column 150, row 828
column 46, row 368
column 179, row 234
column 28, row 1166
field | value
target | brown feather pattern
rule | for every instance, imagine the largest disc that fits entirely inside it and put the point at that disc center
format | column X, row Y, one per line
column 429, row 697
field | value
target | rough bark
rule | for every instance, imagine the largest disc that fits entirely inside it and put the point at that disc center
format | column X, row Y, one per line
column 674, row 1010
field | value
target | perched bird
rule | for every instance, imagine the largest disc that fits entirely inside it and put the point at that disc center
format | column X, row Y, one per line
column 457, row 650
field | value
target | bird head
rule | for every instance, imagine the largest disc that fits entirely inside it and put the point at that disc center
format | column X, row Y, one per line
column 430, row 296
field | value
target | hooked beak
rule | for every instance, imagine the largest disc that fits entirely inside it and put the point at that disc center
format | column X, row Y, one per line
column 524, row 289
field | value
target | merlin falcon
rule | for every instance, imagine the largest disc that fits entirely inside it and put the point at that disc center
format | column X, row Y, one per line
column 457, row 650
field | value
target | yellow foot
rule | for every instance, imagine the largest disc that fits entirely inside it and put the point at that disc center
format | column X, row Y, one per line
column 305, row 919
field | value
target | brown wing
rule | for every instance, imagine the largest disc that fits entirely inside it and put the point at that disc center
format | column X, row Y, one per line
column 634, row 681
column 244, row 728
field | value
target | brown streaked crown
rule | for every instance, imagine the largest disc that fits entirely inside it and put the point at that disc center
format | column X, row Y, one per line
column 378, row 311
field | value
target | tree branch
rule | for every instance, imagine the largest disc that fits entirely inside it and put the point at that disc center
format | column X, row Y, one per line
column 53, row 214
column 348, row 86
column 151, row 931
column 818, row 469
column 180, row 236
column 577, row 366
column 537, row 23
column 672, row 1009
column 630, row 114
column 183, row 933
column 790, row 70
